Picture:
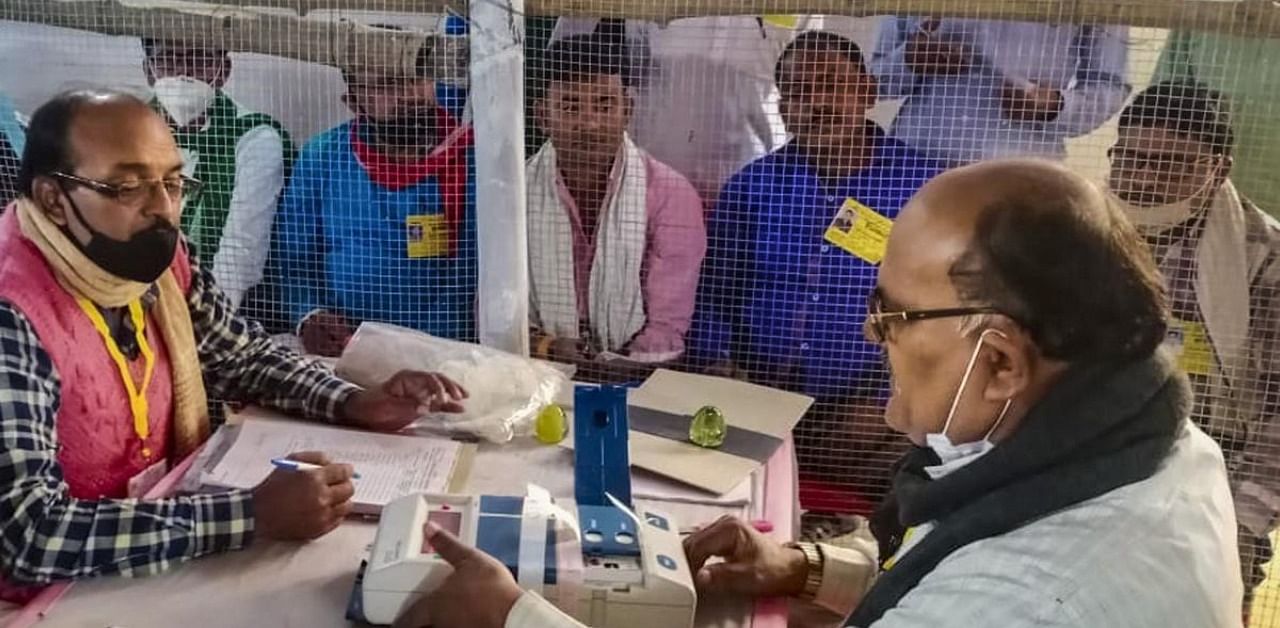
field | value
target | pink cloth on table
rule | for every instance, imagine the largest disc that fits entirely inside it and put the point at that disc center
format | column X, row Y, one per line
column 675, row 243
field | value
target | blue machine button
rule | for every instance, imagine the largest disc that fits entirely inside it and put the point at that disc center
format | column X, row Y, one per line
column 666, row 561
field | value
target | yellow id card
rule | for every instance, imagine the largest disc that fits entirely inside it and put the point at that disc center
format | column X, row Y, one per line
column 426, row 236
column 1191, row 344
column 782, row 21
column 860, row 231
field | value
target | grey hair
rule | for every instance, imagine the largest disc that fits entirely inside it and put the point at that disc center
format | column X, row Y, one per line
column 974, row 322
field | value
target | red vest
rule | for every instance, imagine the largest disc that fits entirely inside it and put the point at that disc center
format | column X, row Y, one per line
column 98, row 449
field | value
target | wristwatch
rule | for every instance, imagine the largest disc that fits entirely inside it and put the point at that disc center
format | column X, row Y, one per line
column 813, row 579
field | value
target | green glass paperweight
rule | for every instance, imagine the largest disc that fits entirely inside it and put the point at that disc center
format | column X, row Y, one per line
column 708, row 427
column 551, row 426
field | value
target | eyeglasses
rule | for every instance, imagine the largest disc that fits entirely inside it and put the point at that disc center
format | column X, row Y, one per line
column 1168, row 165
column 136, row 193
column 876, row 327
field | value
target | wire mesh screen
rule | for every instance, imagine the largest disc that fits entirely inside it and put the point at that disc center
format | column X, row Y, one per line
column 802, row 137
column 709, row 193
column 332, row 194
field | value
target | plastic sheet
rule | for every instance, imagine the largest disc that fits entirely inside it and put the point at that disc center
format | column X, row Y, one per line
column 506, row 391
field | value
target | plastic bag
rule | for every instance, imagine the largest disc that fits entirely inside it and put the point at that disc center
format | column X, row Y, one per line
column 506, row 391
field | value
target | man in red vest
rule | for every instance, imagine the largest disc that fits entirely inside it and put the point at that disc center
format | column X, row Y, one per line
column 112, row 337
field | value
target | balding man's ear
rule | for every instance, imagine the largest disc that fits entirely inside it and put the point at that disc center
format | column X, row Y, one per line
column 1011, row 362
column 47, row 194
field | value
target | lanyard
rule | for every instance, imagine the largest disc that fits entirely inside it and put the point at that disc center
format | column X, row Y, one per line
column 893, row 560
column 137, row 398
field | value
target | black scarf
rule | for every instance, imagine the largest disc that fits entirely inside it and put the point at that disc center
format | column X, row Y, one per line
column 1101, row 427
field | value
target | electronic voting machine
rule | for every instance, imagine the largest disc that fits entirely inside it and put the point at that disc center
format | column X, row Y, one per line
column 595, row 557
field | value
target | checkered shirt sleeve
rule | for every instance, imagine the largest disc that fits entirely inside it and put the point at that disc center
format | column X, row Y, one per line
column 46, row 535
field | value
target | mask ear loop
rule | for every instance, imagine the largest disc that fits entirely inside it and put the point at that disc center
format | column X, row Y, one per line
column 999, row 419
column 968, row 370
column 75, row 209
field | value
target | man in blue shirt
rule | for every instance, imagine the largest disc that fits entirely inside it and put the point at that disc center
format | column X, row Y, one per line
column 983, row 89
column 378, row 221
column 795, row 240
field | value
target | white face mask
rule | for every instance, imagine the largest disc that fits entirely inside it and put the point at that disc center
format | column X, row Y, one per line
column 1152, row 220
column 184, row 98
column 955, row 456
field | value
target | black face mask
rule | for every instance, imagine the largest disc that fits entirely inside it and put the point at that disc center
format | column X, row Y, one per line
column 141, row 258
column 413, row 127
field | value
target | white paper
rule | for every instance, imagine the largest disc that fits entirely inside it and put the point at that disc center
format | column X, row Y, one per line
column 389, row 466
column 646, row 485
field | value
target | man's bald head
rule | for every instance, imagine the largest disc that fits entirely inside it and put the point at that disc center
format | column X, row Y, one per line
column 969, row 191
column 105, row 114
column 1041, row 244
column 83, row 147
column 1026, row 270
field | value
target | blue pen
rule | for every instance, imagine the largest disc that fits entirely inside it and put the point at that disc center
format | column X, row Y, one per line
column 294, row 465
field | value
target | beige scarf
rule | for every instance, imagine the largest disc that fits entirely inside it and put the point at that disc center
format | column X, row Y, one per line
column 81, row 277
column 615, row 294
column 1222, row 271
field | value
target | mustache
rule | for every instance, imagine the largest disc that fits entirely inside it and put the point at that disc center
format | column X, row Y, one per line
column 596, row 143
column 161, row 225
column 834, row 122
column 407, row 128
column 1143, row 198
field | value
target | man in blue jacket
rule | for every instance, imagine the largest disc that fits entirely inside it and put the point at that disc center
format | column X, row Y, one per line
column 378, row 220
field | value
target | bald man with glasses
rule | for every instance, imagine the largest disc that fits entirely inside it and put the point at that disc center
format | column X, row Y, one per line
column 114, row 339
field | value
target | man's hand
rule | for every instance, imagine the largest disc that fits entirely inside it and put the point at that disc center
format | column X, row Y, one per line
column 325, row 334
column 726, row 369
column 478, row 594
column 401, row 400
column 753, row 565
column 933, row 55
column 571, row 350
column 303, row 505
column 1030, row 104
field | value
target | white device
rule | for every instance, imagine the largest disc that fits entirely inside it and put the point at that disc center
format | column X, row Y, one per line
column 619, row 588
